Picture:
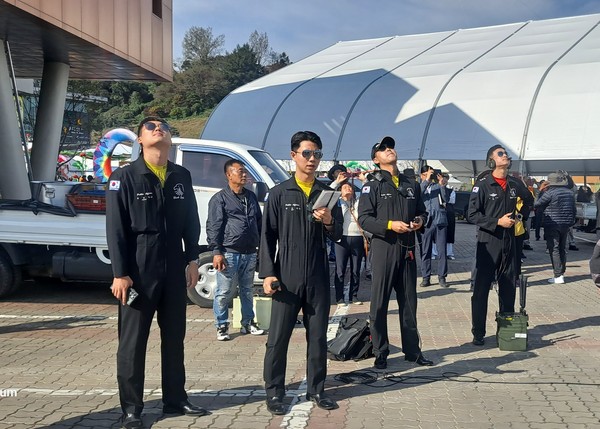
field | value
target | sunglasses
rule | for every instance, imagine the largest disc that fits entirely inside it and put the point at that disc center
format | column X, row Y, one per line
column 308, row 154
column 501, row 153
column 151, row 126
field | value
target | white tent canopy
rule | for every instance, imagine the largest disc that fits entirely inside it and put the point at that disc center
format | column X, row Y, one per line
column 532, row 87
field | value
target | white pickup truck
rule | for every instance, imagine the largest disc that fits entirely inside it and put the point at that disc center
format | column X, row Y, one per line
column 586, row 216
column 48, row 238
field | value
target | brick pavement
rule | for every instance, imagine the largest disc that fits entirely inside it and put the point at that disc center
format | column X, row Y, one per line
column 57, row 362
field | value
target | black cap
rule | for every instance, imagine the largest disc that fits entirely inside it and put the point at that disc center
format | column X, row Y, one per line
column 383, row 144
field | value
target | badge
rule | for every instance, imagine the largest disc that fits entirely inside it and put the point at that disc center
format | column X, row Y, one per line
column 178, row 189
column 475, row 189
column 114, row 185
column 366, row 189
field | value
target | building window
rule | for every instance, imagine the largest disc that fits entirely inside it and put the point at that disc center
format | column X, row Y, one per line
column 157, row 8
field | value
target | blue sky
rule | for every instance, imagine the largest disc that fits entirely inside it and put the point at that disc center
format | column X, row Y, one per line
column 301, row 28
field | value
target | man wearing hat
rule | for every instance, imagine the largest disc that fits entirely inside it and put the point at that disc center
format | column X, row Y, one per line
column 558, row 205
column 391, row 208
column 492, row 207
column 334, row 175
column 435, row 199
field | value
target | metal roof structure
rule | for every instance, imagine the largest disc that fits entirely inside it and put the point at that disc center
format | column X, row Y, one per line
column 532, row 87
column 101, row 40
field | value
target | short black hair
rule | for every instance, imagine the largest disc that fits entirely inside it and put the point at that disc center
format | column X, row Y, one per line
column 425, row 168
column 491, row 150
column 230, row 163
column 149, row 119
column 301, row 136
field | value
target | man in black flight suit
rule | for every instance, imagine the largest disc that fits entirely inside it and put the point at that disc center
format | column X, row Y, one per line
column 151, row 210
column 391, row 209
column 492, row 207
column 293, row 263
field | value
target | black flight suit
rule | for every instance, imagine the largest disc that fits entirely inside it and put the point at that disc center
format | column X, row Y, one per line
column 146, row 226
column 394, row 266
column 496, row 252
column 293, row 249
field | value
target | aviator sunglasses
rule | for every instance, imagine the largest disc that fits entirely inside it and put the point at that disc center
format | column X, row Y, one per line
column 501, row 153
column 150, row 126
column 307, row 154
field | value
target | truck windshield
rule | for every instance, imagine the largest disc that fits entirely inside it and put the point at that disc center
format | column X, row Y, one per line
column 272, row 167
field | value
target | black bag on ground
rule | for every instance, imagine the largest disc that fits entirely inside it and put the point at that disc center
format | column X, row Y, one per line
column 352, row 340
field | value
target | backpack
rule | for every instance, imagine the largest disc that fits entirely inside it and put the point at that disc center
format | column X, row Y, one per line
column 352, row 340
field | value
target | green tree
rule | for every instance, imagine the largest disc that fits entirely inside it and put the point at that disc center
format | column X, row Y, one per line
column 126, row 103
column 278, row 61
column 259, row 44
column 241, row 67
column 199, row 44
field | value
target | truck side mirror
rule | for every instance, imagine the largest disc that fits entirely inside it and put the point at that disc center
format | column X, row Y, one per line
column 261, row 190
column 136, row 150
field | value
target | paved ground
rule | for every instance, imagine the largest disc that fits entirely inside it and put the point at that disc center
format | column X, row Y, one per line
column 58, row 342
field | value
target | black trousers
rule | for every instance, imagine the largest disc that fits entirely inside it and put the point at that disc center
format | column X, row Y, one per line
column 556, row 242
column 495, row 260
column 134, row 329
column 314, row 301
column 451, row 229
column 350, row 248
column 519, row 239
column 393, row 268
column 538, row 221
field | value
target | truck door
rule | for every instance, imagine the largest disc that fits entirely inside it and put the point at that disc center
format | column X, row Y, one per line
column 208, row 178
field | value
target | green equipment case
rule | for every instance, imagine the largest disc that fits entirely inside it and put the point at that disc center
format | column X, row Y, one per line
column 511, row 333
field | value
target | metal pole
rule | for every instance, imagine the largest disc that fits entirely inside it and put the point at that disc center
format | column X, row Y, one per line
column 19, row 113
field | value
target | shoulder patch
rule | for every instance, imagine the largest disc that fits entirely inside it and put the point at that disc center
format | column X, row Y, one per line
column 475, row 189
column 114, row 185
column 366, row 189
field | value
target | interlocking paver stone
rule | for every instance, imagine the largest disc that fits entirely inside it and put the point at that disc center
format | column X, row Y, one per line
column 59, row 343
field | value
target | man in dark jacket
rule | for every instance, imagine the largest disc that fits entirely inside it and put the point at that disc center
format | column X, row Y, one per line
column 293, row 263
column 150, row 212
column 233, row 234
column 492, row 207
column 436, row 228
column 558, row 205
column 391, row 208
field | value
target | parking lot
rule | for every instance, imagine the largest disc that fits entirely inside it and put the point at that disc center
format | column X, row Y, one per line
column 59, row 343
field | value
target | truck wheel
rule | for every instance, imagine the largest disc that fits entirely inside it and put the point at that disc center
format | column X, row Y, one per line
column 204, row 292
column 10, row 275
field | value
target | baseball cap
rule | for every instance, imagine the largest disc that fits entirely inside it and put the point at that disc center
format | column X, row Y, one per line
column 383, row 144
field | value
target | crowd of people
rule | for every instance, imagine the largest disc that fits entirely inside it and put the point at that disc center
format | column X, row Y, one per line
column 394, row 219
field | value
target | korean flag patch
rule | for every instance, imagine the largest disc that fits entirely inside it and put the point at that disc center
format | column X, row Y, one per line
column 366, row 189
column 114, row 185
column 475, row 189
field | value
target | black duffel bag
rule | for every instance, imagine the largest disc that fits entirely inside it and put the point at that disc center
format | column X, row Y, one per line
column 352, row 340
